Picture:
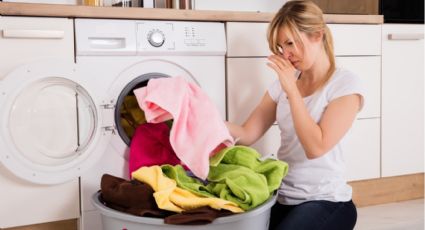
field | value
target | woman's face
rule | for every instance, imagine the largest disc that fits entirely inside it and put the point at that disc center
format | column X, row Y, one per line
column 301, row 52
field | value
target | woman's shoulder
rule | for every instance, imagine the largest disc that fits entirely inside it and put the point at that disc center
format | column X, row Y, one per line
column 344, row 82
column 344, row 76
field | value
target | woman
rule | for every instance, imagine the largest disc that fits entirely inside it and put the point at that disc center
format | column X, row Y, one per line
column 315, row 104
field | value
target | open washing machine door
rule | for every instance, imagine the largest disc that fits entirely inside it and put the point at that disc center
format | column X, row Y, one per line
column 53, row 124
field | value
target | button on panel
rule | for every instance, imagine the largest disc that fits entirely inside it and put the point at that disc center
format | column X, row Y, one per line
column 155, row 36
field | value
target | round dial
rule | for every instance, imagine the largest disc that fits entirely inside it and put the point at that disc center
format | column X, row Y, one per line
column 156, row 38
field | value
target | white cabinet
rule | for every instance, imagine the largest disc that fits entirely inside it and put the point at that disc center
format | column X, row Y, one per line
column 362, row 148
column 247, row 82
column 402, row 99
column 362, row 143
column 357, row 47
column 248, row 77
column 25, row 39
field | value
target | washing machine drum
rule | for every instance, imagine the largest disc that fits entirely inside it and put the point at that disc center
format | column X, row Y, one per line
column 51, row 127
column 128, row 115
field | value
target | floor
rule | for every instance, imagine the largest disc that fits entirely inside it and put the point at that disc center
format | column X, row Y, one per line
column 406, row 215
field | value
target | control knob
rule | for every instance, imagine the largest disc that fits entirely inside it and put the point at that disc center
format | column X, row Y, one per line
column 156, row 38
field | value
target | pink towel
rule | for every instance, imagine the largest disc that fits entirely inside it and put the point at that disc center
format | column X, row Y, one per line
column 150, row 145
column 198, row 130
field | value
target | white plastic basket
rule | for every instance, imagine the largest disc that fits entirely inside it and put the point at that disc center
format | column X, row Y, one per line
column 255, row 219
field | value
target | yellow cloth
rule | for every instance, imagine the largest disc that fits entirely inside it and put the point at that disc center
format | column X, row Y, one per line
column 170, row 197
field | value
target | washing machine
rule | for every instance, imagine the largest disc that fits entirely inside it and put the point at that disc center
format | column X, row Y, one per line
column 61, row 119
column 123, row 55
column 31, row 158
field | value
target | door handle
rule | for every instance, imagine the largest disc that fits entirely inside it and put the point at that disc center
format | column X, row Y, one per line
column 406, row 36
column 46, row 34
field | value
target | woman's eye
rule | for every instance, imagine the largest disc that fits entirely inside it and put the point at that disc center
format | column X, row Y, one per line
column 280, row 49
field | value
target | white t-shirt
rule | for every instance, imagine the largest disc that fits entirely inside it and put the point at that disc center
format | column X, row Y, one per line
column 322, row 178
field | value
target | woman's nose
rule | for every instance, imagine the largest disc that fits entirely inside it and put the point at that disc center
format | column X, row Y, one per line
column 286, row 55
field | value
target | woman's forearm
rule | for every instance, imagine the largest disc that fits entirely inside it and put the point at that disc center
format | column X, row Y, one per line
column 308, row 131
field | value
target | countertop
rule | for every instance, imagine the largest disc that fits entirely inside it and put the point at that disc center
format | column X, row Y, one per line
column 79, row 11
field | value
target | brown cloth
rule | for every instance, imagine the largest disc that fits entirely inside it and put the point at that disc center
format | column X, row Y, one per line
column 131, row 197
column 136, row 198
column 198, row 216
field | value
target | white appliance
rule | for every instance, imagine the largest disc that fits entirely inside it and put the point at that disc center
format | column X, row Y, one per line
column 58, row 118
column 35, row 149
column 121, row 55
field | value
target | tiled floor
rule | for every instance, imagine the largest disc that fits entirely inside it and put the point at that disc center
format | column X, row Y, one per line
column 406, row 215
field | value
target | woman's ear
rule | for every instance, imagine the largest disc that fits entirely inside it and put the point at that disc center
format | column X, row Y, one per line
column 317, row 36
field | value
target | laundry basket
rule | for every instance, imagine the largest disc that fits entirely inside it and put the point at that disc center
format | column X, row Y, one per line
column 255, row 219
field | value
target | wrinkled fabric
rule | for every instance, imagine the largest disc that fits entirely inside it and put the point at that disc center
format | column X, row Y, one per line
column 131, row 197
column 151, row 146
column 198, row 130
column 186, row 182
column 237, row 174
column 131, row 115
column 198, row 216
column 169, row 197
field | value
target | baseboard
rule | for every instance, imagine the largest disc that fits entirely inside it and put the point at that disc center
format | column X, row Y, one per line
column 62, row 225
column 388, row 189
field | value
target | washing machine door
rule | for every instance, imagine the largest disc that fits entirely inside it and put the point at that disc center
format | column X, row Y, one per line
column 52, row 126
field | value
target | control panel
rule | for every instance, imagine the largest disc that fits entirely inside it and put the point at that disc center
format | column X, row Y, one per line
column 146, row 37
column 203, row 38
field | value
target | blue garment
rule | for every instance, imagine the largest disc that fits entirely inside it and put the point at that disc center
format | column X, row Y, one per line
column 314, row 215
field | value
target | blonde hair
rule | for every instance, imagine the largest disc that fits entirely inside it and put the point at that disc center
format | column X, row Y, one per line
column 301, row 16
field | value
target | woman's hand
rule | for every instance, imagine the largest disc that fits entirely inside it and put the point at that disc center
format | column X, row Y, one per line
column 285, row 71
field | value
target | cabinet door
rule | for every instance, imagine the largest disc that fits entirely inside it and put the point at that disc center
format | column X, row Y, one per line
column 402, row 99
column 356, row 39
column 247, row 39
column 26, row 39
column 247, row 81
column 362, row 150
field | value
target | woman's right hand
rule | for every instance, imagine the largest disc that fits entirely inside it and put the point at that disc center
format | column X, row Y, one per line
column 286, row 73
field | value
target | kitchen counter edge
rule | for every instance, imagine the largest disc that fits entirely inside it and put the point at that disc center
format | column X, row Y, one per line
column 80, row 11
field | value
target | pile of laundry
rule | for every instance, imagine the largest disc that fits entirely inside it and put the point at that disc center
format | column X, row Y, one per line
column 189, row 172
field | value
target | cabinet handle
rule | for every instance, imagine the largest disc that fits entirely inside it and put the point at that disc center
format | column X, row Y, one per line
column 47, row 34
column 402, row 36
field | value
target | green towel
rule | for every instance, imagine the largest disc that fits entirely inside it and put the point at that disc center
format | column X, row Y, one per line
column 237, row 174
column 184, row 181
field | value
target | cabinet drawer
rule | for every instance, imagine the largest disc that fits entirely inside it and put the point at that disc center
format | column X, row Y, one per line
column 25, row 39
column 369, row 70
column 250, row 39
column 361, row 146
column 247, row 39
column 351, row 39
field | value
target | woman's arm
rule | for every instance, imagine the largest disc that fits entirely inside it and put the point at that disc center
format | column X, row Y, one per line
column 259, row 121
column 317, row 139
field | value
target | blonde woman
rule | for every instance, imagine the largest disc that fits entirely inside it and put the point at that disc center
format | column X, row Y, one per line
column 315, row 105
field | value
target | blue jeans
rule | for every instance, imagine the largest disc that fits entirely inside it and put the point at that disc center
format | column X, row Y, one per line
column 314, row 215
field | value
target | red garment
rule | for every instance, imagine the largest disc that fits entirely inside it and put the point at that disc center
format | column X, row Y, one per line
column 151, row 146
